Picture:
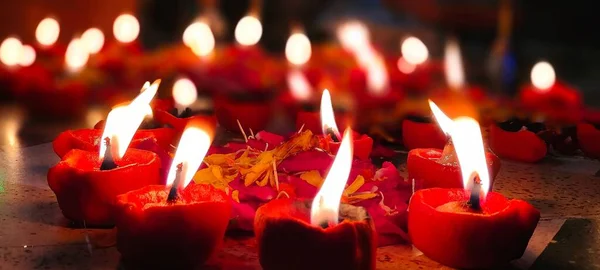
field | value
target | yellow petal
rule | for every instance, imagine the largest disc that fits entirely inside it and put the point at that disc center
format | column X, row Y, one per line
column 204, row 176
column 361, row 197
column 358, row 182
column 312, row 177
column 235, row 195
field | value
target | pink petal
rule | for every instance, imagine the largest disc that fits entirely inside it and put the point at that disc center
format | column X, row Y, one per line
column 270, row 138
column 307, row 161
column 242, row 217
column 382, row 151
column 303, row 189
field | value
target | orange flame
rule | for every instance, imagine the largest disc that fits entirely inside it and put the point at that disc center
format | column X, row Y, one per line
column 299, row 86
column 248, row 31
column 126, row 28
column 192, row 148
column 543, row 76
column 326, row 204
column 468, row 144
column 123, row 121
column 47, row 32
column 93, row 39
column 327, row 115
column 76, row 55
column 298, row 49
column 10, row 51
column 354, row 36
column 455, row 76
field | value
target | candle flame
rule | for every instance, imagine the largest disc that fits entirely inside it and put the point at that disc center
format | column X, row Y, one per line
column 76, row 55
column 299, row 86
column 123, row 121
column 192, row 148
column 28, row 56
column 298, row 49
column 126, row 28
column 10, row 51
column 326, row 204
column 354, row 36
column 414, row 51
column 184, row 92
column 405, row 67
column 543, row 76
column 47, row 32
column 327, row 115
column 93, row 39
column 199, row 37
column 377, row 77
column 468, row 144
column 455, row 76
column 248, row 31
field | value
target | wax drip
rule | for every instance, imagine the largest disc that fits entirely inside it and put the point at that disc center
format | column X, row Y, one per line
column 330, row 131
column 474, row 198
column 173, row 193
column 108, row 163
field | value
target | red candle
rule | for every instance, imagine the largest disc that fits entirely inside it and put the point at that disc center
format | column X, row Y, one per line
column 588, row 136
column 447, row 231
column 289, row 231
column 86, row 194
column 311, row 120
column 361, row 143
column 253, row 111
column 421, row 132
column 555, row 99
column 469, row 229
column 46, row 35
column 519, row 143
column 174, row 226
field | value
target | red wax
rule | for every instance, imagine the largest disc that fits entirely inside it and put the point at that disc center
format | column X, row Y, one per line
column 560, row 103
column 589, row 139
column 522, row 145
column 287, row 240
column 447, row 231
column 89, row 139
column 154, row 234
column 253, row 115
column 87, row 194
column 422, row 135
column 312, row 121
column 362, row 145
column 179, row 124
column 425, row 168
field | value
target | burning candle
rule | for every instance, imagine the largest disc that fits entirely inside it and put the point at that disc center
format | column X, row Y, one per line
column 10, row 51
column 413, row 68
column 46, row 35
column 470, row 228
column 332, row 235
column 174, row 226
column 93, row 39
column 87, row 183
column 126, row 28
column 300, row 93
column 311, row 119
column 553, row 98
column 178, row 116
column 248, row 31
column 430, row 167
column 199, row 38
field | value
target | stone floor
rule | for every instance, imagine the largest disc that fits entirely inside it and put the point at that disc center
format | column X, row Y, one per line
column 35, row 235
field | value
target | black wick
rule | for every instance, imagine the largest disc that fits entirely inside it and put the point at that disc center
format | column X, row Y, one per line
column 173, row 194
column 474, row 199
column 331, row 133
column 108, row 163
column 185, row 113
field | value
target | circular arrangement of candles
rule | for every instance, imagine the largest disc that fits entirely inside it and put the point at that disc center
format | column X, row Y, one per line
column 334, row 236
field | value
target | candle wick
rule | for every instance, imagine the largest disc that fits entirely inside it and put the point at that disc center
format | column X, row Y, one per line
column 108, row 163
column 173, row 193
column 185, row 113
column 332, row 134
column 474, row 198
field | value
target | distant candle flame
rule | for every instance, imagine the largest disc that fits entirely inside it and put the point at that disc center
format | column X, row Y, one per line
column 184, row 92
column 354, row 36
column 76, row 55
column 248, row 31
column 377, row 77
column 455, row 76
column 199, row 37
column 327, row 115
column 405, row 67
column 126, row 28
column 468, row 144
column 28, row 56
column 192, row 148
column 543, row 76
column 122, row 122
column 93, row 39
column 47, row 32
column 326, row 204
column 414, row 51
column 10, row 51
column 299, row 86
column 298, row 49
